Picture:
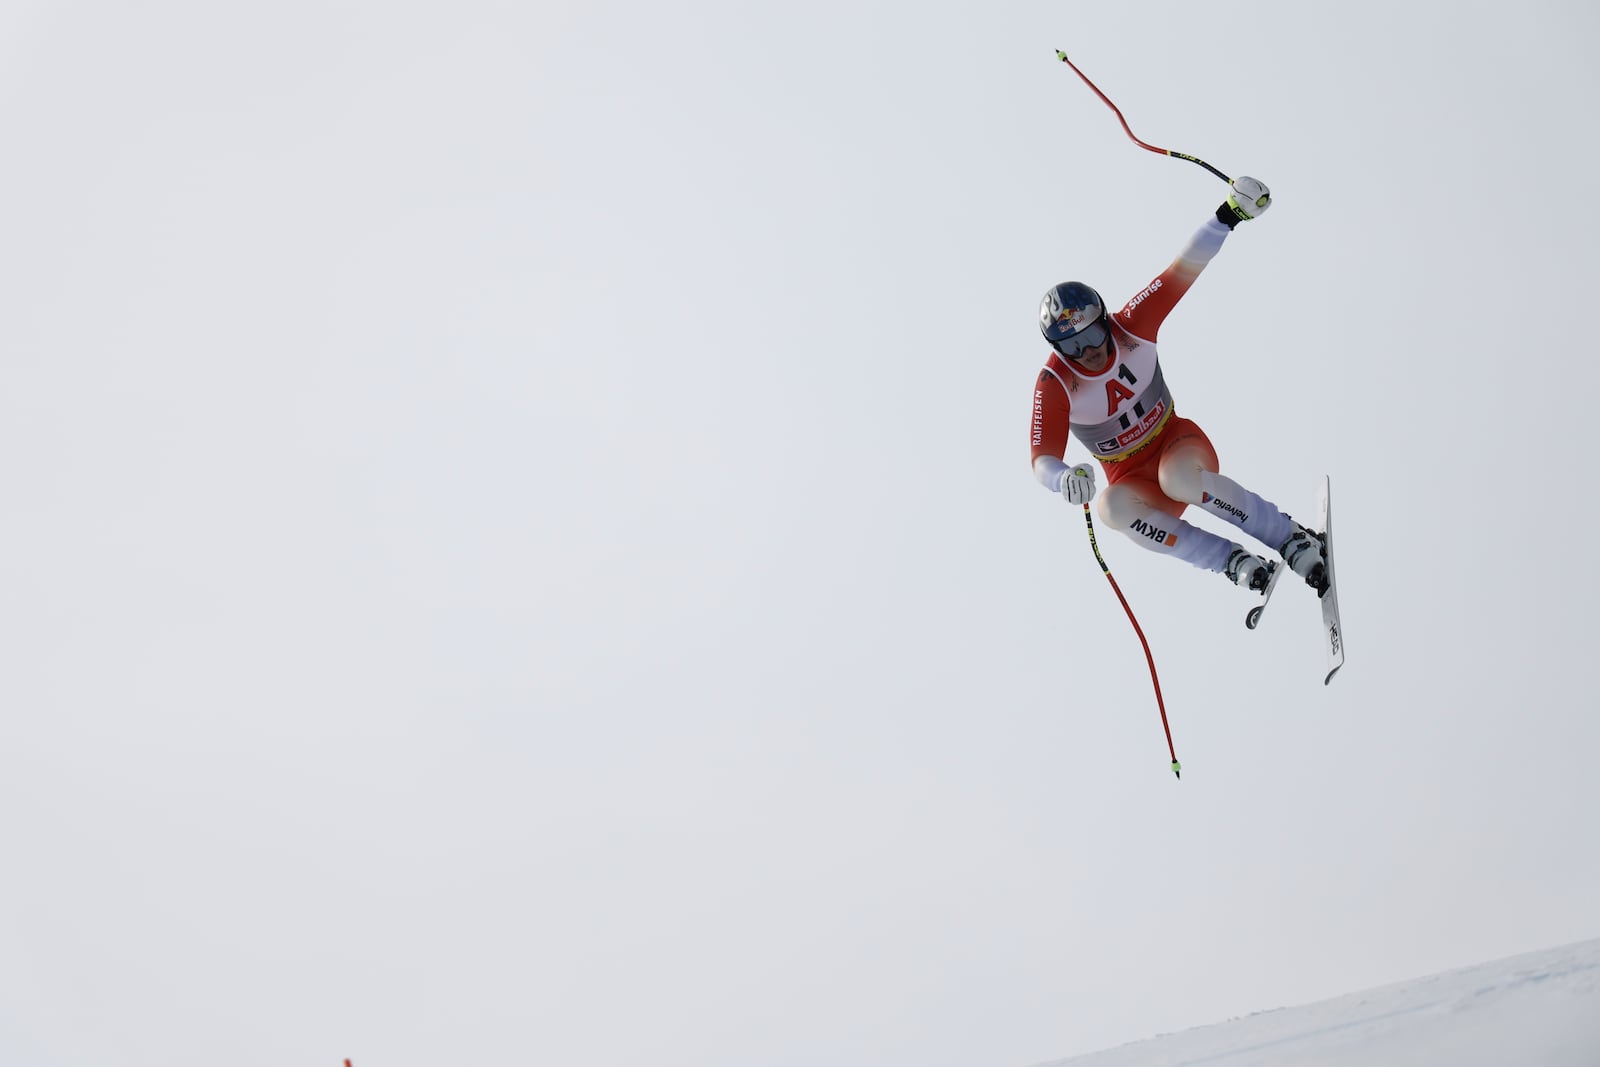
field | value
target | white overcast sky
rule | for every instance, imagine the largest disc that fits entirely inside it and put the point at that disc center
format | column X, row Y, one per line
column 517, row 543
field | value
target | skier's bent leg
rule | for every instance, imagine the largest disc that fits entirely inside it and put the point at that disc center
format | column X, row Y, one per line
column 1190, row 475
column 1130, row 507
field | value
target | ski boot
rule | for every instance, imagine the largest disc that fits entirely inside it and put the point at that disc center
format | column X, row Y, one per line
column 1248, row 570
column 1305, row 554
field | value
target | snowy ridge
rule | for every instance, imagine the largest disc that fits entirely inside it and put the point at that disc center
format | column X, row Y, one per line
column 1539, row 1008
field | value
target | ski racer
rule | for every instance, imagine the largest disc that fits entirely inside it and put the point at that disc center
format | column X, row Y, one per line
column 1102, row 384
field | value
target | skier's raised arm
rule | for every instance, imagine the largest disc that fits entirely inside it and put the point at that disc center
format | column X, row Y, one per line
column 1142, row 316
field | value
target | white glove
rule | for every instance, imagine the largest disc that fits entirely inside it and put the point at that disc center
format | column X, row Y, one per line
column 1250, row 199
column 1077, row 484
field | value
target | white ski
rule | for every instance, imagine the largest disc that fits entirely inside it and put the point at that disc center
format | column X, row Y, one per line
column 1253, row 616
column 1332, row 635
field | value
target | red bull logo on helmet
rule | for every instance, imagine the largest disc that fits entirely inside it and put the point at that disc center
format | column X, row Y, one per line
column 1071, row 317
column 1067, row 308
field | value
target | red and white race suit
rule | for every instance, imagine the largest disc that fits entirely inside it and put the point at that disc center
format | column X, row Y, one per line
column 1124, row 408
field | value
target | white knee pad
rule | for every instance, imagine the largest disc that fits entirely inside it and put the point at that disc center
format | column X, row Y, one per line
column 1119, row 505
column 1181, row 480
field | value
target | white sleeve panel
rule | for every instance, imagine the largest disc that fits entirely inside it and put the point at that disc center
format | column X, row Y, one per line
column 1205, row 244
column 1049, row 471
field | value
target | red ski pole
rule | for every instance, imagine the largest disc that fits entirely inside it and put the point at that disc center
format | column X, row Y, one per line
column 1118, row 111
column 1177, row 768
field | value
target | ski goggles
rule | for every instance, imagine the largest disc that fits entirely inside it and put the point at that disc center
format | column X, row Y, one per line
column 1091, row 336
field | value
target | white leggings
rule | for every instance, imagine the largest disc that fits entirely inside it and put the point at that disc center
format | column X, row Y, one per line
column 1131, row 507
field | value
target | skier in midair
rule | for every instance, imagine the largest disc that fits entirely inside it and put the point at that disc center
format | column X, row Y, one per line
column 1102, row 384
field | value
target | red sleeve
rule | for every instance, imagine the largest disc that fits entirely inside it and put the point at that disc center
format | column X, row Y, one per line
column 1143, row 315
column 1052, row 417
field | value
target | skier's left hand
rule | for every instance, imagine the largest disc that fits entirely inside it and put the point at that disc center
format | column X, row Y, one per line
column 1077, row 484
column 1250, row 200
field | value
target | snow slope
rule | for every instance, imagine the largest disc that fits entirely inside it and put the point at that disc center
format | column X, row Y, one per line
column 1541, row 1009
